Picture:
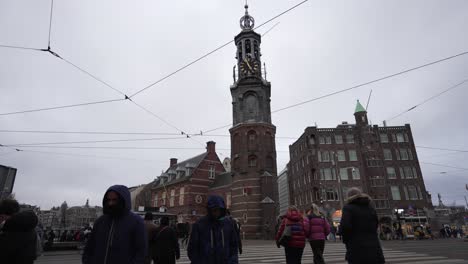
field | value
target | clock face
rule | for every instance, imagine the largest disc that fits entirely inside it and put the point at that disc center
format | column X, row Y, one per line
column 249, row 66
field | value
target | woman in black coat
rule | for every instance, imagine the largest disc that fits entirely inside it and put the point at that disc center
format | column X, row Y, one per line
column 359, row 225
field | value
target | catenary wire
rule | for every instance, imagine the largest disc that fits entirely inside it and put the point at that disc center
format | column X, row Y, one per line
column 61, row 107
column 356, row 86
column 50, row 20
column 209, row 53
column 428, row 99
column 447, row 149
column 91, row 141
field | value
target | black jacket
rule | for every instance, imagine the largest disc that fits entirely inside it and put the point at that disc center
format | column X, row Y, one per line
column 18, row 239
column 166, row 246
column 359, row 225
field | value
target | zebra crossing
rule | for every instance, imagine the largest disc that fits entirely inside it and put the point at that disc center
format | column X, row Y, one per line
column 267, row 253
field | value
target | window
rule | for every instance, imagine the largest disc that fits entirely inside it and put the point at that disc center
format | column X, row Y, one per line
column 384, row 138
column 327, row 174
column 415, row 173
column 404, row 154
column 356, row 174
column 188, row 171
column 171, row 199
column 391, row 173
column 328, row 140
column 341, row 155
column 331, row 194
column 322, row 140
column 253, row 162
column 212, row 172
column 344, row 173
column 381, row 204
column 352, row 155
column 420, row 193
column 163, row 199
column 338, row 139
column 395, row 193
column 405, row 189
column 350, row 138
column 413, row 193
column 377, row 181
column 323, row 156
column 387, row 154
column 400, row 138
column 180, row 174
column 410, row 154
column 181, row 195
column 312, row 140
column 408, row 172
column 156, row 200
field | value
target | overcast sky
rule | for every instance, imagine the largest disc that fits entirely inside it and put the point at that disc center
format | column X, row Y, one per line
column 318, row 48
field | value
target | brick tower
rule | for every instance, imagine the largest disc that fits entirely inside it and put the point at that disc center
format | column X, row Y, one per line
column 253, row 151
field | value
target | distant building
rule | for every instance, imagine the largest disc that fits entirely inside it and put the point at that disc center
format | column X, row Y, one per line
column 283, row 191
column 382, row 161
column 7, row 181
column 134, row 192
column 65, row 218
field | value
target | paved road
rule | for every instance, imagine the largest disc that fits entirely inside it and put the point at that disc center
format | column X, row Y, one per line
column 255, row 252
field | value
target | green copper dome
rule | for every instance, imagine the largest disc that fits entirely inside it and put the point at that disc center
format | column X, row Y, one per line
column 359, row 108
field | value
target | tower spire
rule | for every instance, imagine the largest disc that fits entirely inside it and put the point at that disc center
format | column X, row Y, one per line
column 247, row 22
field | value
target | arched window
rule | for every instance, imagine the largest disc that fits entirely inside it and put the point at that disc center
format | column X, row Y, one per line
column 248, row 48
column 252, row 161
column 256, row 53
column 252, row 139
column 251, row 107
column 268, row 138
column 239, row 50
column 269, row 162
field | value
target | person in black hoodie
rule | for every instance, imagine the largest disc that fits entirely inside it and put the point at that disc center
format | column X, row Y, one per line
column 118, row 236
column 18, row 238
column 359, row 224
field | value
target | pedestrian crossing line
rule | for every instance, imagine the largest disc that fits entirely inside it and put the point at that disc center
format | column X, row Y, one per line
column 333, row 255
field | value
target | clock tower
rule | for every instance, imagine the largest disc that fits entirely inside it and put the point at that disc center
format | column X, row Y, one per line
column 253, row 151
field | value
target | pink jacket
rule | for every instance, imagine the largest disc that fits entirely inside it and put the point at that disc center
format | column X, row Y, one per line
column 318, row 227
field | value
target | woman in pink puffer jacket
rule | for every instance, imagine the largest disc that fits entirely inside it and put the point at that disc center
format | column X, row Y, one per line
column 318, row 231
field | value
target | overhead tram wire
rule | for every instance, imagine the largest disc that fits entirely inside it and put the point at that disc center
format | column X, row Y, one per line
column 19, row 47
column 61, row 107
column 428, row 99
column 357, row 86
column 209, row 53
column 90, row 141
column 88, row 132
column 443, row 165
column 50, row 20
column 446, row 149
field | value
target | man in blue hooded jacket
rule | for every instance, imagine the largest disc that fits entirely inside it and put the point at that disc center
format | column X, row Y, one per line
column 213, row 239
column 118, row 236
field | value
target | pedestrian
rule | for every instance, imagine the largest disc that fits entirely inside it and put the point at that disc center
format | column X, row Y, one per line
column 118, row 236
column 318, row 231
column 333, row 232
column 166, row 245
column 213, row 239
column 237, row 228
column 359, row 225
column 294, row 248
column 151, row 229
column 18, row 237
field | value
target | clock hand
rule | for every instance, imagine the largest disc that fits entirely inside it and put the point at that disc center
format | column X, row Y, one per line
column 248, row 64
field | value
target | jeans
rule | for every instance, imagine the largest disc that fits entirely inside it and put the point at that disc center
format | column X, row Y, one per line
column 318, row 247
column 293, row 255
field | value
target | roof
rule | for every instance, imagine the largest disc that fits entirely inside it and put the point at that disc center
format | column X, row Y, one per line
column 359, row 108
column 193, row 162
column 222, row 179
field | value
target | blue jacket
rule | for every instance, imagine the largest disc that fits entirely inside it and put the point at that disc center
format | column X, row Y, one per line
column 213, row 241
column 126, row 244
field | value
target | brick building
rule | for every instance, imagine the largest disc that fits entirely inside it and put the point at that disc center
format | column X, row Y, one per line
column 184, row 187
column 382, row 161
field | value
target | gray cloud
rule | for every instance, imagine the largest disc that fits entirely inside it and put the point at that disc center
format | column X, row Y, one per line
column 316, row 49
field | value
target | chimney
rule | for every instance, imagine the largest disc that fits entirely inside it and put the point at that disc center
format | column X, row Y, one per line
column 211, row 146
column 173, row 162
